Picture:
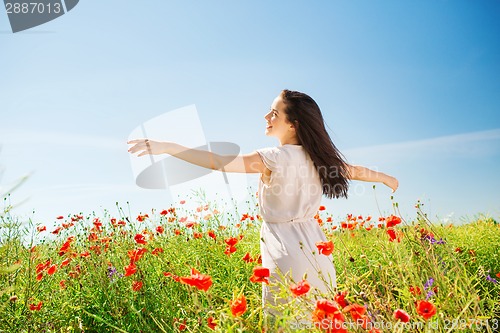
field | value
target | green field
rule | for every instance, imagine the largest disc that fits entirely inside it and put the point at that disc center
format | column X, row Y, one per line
column 133, row 274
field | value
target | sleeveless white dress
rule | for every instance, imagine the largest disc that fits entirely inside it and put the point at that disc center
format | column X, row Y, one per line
column 288, row 203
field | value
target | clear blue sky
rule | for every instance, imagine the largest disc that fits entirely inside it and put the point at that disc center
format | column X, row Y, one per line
column 411, row 88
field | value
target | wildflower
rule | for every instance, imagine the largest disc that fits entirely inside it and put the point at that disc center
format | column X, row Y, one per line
column 321, row 208
column 164, row 212
column 130, row 269
column 136, row 285
column 229, row 250
column 141, row 218
column 212, row 235
column 300, row 288
column 498, row 275
column 401, row 315
column 197, row 235
column 415, row 290
column 232, row 241
column 426, row 309
column 41, row 228
column 60, row 217
column 392, row 221
column 156, row 251
column 62, row 284
column 65, row 262
column 182, row 202
column 327, row 313
column 140, row 239
column 340, row 298
column 357, row 312
column 160, row 229
column 211, row 323
column 198, row 280
column 239, row 306
column 56, row 230
column 52, row 269
column 190, row 224
column 36, row 307
column 325, row 248
column 489, row 278
column 260, row 274
column 136, row 254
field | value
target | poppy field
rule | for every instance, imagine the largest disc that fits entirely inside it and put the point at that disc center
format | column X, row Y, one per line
column 198, row 270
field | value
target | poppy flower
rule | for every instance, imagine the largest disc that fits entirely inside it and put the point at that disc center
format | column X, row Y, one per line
column 247, row 258
column 197, row 235
column 136, row 254
column 160, row 229
column 357, row 312
column 52, row 269
column 231, row 241
column 321, row 208
column 36, row 307
column 340, row 298
column 60, row 217
column 327, row 315
column 164, row 212
column 426, row 309
column 211, row 323
column 136, row 285
column 238, row 306
column 498, row 275
column 198, row 280
column 229, row 250
column 65, row 262
column 156, row 251
column 212, row 235
column 140, row 239
column 325, row 248
column 62, row 284
column 415, row 290
column 401, row 315
column 173, row 276
column 392, row 221
column 41, row 228
column 393, row 236
column 300, row 288
column 130, row 269
column 260, row 274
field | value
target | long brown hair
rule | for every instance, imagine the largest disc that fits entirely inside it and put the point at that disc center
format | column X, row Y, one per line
column 303, row 112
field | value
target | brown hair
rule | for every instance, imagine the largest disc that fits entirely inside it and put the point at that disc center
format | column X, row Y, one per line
column 303, row 112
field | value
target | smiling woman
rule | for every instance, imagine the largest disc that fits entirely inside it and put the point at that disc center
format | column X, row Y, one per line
column 294, row 176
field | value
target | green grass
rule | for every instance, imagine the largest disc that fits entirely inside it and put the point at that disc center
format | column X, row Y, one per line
column 376, row 273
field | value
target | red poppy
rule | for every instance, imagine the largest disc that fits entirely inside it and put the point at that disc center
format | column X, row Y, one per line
column 340, row 298
column 393, row 236
column 211, row 234
column 357, row 312
column 141, row 218
column 232, row 241
column 498, row 275
column 392, row 221
column 229, row 250
column 260, row 274
column 60, row 217
column 197, row 235
column 182, row 202
column 325, row 248
column 140, row 239
column 160, row 229
column 190, row 224
column 300, row 288
column 85, row 254
column 164, row 212
column 130, row 269
column 65, row 262
column 41, row 228
column 401, row 315
column 426, row 309
column 136, row 285
column 56, row 230
column 136, row 254
column 415, row 290
column 247, row 258
column 36, row 307
column 198, row 280
column 173, row 276
column 157, row 251
column 321, row 208
column 239, row 306
column 62, row 284
column 52, row 269
column 211, row 323
column 327, row 315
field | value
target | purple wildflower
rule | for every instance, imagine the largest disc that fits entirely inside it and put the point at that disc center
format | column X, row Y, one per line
column 489, row 278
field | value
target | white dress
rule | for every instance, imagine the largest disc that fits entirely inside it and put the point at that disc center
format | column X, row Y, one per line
column 288, row 203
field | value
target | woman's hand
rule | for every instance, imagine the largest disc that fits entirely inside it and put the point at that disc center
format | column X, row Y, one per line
column 146, row 147
column 392, row 183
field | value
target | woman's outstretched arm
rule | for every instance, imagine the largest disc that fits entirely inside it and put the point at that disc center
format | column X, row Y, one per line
column 249, row 163
column 358, row 172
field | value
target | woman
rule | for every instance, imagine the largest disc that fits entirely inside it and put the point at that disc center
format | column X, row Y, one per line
column 294, row 176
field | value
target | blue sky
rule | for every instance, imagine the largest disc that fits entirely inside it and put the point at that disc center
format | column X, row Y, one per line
column 410, row 88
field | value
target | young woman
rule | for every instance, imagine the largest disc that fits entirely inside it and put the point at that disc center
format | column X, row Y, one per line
column 294, row 176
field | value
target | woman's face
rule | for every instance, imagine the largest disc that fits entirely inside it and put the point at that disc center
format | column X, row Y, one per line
column 277, row 124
